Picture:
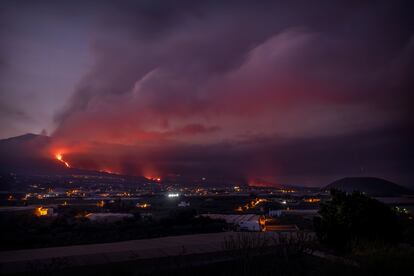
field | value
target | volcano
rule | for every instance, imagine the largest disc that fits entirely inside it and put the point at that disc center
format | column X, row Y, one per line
column 27, row 154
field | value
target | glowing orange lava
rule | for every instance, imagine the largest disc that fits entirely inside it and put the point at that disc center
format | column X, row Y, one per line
column 108, row 171
column 153, row 178
column 59, row 157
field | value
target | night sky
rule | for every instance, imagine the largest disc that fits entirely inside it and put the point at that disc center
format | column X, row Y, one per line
column 297, row 92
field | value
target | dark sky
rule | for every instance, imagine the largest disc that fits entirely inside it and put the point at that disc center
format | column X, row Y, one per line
column 300, row 92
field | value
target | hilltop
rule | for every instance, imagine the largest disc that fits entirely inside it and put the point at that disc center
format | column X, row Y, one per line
column 372, row 186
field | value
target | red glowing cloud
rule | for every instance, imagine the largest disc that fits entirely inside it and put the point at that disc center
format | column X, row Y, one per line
column 191, row 93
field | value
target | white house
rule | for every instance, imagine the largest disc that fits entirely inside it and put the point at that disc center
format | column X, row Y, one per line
column 248, row 222
column 184, row 204
column 108, row 217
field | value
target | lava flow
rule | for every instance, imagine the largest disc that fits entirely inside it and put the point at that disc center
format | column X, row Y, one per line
column 60, row 158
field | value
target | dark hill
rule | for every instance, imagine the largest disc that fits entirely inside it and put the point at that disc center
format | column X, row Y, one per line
column 369, row 185
column 26, row 153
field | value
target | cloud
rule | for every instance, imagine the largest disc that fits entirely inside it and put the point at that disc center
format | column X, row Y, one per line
column 188, row 84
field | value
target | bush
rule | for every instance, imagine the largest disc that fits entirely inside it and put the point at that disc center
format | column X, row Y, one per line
column 348, row 218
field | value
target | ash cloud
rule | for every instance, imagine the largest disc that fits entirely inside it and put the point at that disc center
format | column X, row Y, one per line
column 188, row 84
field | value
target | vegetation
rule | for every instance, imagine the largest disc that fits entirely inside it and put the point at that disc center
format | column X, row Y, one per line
column 350, row 218
column 71, row 227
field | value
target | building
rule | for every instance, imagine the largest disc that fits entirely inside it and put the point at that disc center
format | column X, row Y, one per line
column 248, row 222
column 143, row 205
column 108, row 217
column 184, row 204
column 44, row 211
column 275, row 213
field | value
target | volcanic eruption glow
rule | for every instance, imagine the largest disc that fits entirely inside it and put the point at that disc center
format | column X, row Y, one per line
column 153, row 178
column 59, row 157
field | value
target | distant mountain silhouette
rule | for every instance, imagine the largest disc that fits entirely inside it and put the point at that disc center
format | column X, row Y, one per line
column 369, row 185
column 27, row 154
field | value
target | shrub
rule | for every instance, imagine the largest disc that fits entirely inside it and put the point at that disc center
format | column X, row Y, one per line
column 351, row 217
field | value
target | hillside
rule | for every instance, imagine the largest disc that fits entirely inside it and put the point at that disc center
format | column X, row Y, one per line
column 370, row 185
column 26, row 153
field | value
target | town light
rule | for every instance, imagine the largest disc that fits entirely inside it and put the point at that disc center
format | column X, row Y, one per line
column 40, row 211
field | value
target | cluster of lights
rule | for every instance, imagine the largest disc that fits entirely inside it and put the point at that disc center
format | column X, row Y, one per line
column 73, row 192
column 143, row 205
column 312, row 200
column 157, row 179
column 171, row 195
column 287, row 191
column 401, row 210
column 124, row 194
column 239, row 209
column 40, row 211
column 251, row 205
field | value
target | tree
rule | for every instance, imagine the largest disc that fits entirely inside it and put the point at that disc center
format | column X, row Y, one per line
column 347, row 218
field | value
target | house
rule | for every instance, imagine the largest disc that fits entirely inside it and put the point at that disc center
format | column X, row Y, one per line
column 108, row 217
column 275, row 213
column 44, row 211
column 247, row 222
column 184, row 204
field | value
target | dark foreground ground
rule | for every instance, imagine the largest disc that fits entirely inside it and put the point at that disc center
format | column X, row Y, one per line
column 228, row 253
